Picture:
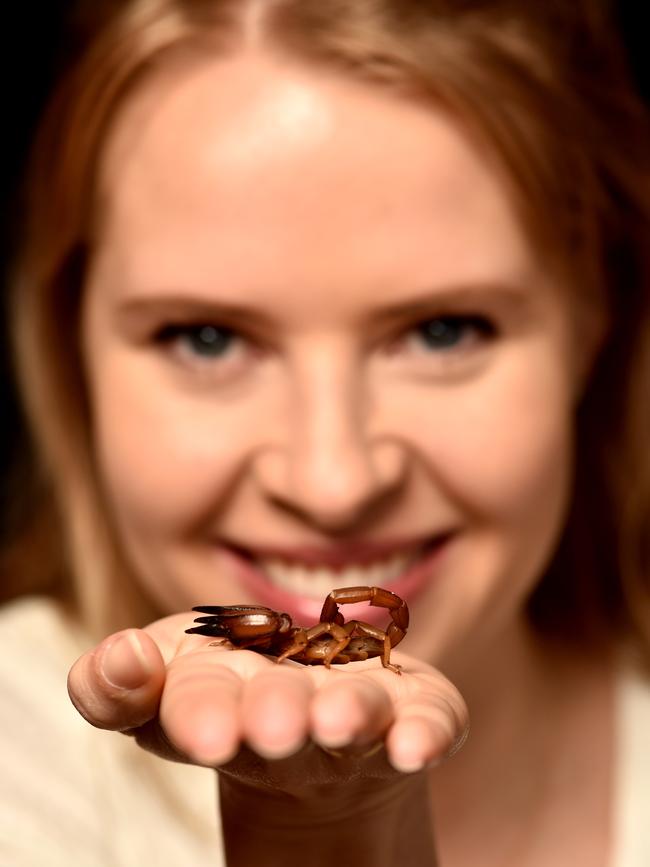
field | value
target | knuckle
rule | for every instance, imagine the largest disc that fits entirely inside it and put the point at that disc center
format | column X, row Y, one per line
column 283, row 681
column 437, row 711
column 200, row 674
column 191, row 690
column 359, row 697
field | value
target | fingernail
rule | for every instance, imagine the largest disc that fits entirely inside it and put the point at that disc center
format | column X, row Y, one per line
column 280, row 750
column 124, row 663
column 407, row 764
column 333, row 740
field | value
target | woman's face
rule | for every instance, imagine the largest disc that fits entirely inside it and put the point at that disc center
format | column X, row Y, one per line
column 321, row 352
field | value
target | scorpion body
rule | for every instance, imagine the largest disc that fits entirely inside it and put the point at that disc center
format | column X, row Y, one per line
column 331, row 640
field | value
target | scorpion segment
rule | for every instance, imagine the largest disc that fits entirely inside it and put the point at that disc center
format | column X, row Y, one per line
column 376, row 596
column 308, row 649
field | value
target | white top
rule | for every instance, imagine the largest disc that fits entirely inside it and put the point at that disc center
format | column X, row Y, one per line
column 73, row 795
column 70, row 794
column 632, row 792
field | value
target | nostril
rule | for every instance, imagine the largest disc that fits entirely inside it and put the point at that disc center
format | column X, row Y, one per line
column 332, row 488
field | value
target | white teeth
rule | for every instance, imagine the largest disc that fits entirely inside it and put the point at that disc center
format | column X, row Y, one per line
column 317, row 582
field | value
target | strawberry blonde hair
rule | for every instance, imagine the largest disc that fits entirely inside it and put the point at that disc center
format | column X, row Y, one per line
column 544, row 86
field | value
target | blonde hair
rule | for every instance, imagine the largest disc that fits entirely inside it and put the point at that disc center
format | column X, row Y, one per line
column 545, row 85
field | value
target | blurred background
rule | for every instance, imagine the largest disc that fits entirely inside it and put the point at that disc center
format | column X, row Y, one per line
column 37, row 39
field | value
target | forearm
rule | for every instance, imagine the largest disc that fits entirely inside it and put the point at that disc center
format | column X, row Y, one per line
column 379, row 827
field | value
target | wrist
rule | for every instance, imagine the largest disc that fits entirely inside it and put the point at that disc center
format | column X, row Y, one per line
column 319, row 804
column 371, row 823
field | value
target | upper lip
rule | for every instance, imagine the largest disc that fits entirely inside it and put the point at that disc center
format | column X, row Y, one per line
column 341, row 554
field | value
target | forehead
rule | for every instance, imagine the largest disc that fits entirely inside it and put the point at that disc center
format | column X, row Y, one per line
column 254, row 165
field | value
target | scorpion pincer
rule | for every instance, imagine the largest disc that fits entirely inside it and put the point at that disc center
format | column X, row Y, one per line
column 331, row 640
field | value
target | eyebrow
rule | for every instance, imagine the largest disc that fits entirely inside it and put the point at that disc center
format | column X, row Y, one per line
column 507, row 297
column 141, row 310
column 188, row 308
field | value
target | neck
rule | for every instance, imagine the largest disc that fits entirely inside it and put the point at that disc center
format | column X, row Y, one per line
column 531, row 707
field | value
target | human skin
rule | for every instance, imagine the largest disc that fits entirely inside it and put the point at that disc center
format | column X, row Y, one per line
column 316, row 203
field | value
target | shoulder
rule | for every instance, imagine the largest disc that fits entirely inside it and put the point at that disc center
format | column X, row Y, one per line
column 37, row 647
column 70, row 793
column 38, row 627
column 40, row 770
column 632, row 781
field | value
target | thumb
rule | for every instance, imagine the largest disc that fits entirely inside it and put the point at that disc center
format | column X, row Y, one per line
column 118, row 684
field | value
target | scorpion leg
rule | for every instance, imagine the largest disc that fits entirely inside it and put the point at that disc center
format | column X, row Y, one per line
column 376, row 596
column 302, row 641
column 298, row 643
column 222, row 642
column 361, row 628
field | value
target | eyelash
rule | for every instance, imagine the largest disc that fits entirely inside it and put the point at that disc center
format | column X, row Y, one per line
column 453, row 332
column 446, row 335
column 222, row 338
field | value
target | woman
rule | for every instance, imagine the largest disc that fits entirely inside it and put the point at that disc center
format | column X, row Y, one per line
column 350, row 294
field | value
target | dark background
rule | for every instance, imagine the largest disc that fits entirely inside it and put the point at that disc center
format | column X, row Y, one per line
column 35, row 40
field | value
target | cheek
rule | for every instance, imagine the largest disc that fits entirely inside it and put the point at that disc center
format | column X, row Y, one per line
column 500, row 454
column 165, row 460
column 501, row 447
column 513, row 464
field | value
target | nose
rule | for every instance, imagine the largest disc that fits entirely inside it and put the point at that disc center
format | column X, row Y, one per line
column 330, row 469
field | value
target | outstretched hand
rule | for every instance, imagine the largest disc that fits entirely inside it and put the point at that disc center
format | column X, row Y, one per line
column 186, row 699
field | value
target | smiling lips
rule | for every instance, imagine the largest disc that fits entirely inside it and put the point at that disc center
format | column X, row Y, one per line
column 313, row 572
column 318, row 581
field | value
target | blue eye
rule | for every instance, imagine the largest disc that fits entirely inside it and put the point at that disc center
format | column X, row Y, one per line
column 209, row 341
column 448, row 332
column 205, row 341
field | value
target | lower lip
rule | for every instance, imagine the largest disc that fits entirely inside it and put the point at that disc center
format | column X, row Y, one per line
column 305, row 611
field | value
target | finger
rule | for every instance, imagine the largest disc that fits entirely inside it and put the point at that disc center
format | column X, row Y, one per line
column 275, row 712
column 426, row 731
column 200, row 708
column 355, row 710
column 118, row 684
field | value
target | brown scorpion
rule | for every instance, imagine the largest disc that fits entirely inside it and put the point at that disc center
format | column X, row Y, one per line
column 263, row 630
